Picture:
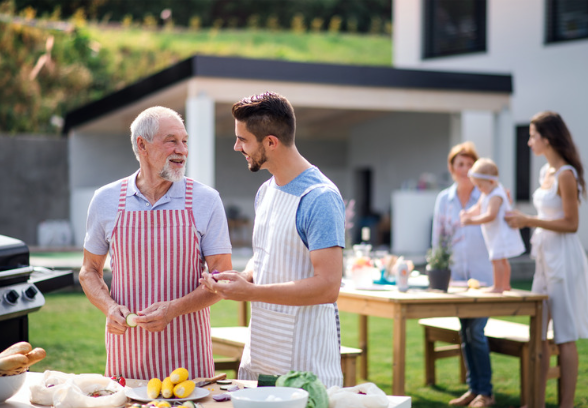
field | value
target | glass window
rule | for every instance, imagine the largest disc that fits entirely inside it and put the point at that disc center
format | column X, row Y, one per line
column 454, row 27
column 567, row 20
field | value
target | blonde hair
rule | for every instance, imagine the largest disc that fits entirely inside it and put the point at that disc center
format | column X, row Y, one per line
column 467, row 149
column 485, row 166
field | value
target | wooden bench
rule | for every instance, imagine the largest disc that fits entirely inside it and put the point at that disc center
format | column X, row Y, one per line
column 504, row 337
column 230, row 341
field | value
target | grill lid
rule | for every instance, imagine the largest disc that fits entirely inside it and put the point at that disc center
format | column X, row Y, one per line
column 14, row 253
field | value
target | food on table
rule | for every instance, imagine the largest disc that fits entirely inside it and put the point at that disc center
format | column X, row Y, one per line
column 163, row 404
column 473, row 283
column 183, row 389
column 153, row 388
column 132, row 320
column 77, row 391
column 167, row 388
column 188, row 404
column 22, row 347
column 179, row 375
column 17, row 358
column 317, row 393
column 119, row 379
column 222, row 397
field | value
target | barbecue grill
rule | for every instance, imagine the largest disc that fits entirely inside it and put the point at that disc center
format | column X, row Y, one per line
column 21, row 289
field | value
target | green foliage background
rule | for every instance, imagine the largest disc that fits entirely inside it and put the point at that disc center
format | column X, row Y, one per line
column 90, row 58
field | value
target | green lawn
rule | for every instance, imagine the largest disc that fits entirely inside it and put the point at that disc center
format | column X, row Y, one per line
column 72, row 332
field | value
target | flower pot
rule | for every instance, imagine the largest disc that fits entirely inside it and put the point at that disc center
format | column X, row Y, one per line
column 439, row 279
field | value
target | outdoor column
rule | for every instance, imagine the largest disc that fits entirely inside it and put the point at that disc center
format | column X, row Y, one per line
column 478, row 127
column 504, row 147
column 200, row 127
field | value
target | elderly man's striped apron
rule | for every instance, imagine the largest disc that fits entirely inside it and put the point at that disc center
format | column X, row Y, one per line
column 156, row 258
column 283, row 338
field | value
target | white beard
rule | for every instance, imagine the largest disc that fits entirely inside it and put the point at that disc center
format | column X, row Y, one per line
column 173, row 175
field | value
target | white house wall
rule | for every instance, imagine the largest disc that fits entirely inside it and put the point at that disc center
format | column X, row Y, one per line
column 545, row 76
column 399, row 148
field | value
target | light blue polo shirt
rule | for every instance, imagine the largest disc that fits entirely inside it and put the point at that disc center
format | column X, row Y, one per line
column 320, row 218
column 470, row 256
column 209, row 214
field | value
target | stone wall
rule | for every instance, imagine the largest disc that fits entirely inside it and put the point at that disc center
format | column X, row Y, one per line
column 34, row 184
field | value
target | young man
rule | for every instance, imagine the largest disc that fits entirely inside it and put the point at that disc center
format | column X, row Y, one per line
column 294, row 277
column 159, row 228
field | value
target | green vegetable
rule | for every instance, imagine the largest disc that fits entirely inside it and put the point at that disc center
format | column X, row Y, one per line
column 267, row 380
column 317, row 393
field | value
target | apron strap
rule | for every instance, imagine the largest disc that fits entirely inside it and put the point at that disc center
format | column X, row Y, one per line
column 189, row 191
column 123, row 195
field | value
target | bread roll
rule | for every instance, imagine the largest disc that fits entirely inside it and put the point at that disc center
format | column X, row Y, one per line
column 18, row 348
column 13, row 362
column 36, row 355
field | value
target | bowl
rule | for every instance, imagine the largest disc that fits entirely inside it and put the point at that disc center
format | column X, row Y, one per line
column 265, row 397
column 10, row 385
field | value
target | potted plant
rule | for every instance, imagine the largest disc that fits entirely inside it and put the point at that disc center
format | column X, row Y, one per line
column 439, row 260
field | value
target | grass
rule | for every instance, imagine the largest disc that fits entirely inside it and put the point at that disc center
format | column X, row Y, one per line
column 72, row 332
column 339, row 48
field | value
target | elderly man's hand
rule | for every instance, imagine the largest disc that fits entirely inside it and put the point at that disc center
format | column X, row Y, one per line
column 156, row 317
column 116, row 319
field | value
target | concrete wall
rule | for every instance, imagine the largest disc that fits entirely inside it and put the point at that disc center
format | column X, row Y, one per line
column 33, row 184
column 399, row 148
column 545, row 76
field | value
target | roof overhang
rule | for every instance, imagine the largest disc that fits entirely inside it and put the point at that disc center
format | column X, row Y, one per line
column 325, row 86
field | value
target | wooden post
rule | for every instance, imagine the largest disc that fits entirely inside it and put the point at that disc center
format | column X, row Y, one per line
column 243, row 314
column 363, row 345
column 399, row 351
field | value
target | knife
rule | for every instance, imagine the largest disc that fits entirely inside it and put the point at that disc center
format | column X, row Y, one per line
column 214, row 379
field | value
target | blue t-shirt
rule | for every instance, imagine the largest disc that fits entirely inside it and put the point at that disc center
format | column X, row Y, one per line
column 320, row 218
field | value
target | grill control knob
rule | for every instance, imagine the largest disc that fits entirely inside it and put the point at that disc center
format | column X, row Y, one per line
column 31, row 292
column 11, row 296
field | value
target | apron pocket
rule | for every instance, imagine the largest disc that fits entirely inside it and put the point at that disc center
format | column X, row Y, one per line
column 272, row 341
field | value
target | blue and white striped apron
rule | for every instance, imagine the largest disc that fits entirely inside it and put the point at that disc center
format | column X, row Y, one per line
column 283, row 338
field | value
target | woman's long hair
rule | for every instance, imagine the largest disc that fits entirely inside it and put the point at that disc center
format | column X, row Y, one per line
column 552, row 127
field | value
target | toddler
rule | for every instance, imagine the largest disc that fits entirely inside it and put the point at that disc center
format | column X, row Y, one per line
column 501, row 241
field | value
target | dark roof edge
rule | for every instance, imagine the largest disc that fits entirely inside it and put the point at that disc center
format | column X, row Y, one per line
column 244, row 68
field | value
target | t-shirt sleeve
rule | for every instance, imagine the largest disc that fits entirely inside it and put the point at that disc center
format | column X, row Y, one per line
column 95, row 240
column 215, row 238
column 320, row 219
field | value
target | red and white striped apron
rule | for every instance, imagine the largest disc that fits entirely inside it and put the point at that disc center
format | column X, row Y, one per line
column 156, row 258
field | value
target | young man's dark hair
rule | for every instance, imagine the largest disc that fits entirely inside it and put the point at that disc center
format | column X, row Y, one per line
column 267, row 114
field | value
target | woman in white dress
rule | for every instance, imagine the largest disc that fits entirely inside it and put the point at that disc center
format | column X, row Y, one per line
column 561, row 269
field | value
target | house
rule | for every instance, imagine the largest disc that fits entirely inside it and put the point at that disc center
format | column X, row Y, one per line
column 543, row 44
column 370, row 129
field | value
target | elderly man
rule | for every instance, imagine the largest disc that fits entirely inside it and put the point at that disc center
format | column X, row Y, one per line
column 298, row 236
column 159, row 228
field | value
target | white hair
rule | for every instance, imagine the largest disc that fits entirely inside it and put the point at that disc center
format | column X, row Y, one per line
column 146, row 124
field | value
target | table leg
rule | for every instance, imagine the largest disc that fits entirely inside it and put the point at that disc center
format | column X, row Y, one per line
column 363, row 345
column 535, row 353
column 399, row 352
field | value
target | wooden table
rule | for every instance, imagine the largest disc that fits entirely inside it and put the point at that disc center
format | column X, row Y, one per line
column 419, row 303
column 22, row 397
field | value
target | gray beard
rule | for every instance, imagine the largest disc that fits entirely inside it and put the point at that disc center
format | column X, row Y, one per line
column 167, row 173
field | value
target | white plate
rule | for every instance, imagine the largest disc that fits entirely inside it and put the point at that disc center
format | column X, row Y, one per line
column 140, row 394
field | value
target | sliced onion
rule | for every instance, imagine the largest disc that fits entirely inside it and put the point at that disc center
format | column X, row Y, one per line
column 221, row 397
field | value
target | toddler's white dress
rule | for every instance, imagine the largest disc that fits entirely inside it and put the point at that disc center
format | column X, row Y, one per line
column 501, row 240
column 561, row 269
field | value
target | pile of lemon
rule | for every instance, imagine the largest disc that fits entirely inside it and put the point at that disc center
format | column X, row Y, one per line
column 176, row 385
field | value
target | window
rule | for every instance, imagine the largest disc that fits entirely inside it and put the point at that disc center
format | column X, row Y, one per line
column 523, row 175
column 454, row 27
column 566, row 20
